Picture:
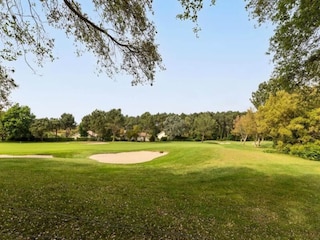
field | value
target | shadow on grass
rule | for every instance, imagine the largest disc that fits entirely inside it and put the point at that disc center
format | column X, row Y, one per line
column 46, row 200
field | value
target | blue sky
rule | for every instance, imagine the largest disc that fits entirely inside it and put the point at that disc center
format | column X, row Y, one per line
column 216, row 72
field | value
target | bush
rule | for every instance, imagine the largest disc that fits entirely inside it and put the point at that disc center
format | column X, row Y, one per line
column 308, row 151
column 58, row 139
column 152, row 139
column 163, row 139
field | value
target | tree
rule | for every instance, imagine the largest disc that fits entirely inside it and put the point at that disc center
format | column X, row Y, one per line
column 115, row 120
column 6, row 84
column 54, row 125
column 274, row 118
column 133, row 133
column 295, row 43
column 98, row 123
column 271, row 87
column 67, row 123
column 245, row 126
column 224, row 124
column 173, row 126
column 146, row 123
column 2, row 129
column 84, row 126
column 189, row 125
column 122, row 31
column 17, row 121
column 204, row 125
column 39, row 127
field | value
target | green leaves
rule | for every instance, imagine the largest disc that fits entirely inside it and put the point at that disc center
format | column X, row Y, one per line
column 296, row 37
column 122, row 38
column 16, row 122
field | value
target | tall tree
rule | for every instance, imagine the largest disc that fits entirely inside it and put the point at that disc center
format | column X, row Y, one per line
column 84, row 126
column 98, row 123
column 146, row 122
column 2, row 129
column 39, row 127
column 115, row 120
column 122, row 31
column 295, row 43
column 245, row 126
column 17, row 121
column 67, row 123
column 54, row 125
column 271, row 87
column 204, row 125
column 173, row 126
column 274, row 118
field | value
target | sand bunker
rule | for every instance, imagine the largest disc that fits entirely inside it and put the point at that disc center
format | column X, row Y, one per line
column 127, row 157
column 26, row 156
column 95, row 143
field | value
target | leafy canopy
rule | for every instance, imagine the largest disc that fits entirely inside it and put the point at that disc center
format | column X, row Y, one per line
column 122, row 36
column 119, row 33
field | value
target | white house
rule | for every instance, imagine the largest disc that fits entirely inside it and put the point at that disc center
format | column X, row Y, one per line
column 161, row 135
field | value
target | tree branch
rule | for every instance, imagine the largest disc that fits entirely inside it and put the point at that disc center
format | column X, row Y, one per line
column 92, row 24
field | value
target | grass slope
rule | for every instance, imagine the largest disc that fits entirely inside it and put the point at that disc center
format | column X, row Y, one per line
column 197, row 191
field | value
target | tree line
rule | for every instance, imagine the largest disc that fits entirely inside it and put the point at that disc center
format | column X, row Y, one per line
column 19, row 123
column 291, row 119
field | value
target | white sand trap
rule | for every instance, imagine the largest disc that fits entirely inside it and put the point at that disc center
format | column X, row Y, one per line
column 95, row 143
column 127, row 157
column 26, row 156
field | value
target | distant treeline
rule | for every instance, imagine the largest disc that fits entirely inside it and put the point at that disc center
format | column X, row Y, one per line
column 19, row 124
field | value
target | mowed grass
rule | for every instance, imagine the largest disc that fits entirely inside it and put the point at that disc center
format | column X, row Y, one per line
column 197, row 191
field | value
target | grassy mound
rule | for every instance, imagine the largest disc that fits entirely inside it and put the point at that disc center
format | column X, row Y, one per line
column 197, row 191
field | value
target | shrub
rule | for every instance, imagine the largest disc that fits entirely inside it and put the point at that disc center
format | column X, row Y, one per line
column 164, row 139
column 308, row 151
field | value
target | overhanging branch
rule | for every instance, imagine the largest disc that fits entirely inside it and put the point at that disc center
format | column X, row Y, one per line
column 92, row 24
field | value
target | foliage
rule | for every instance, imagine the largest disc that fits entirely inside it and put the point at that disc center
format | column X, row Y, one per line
column 40, row 127
column 224, row 124
column 7, row 84
column 146, row 122
column 173, row 126
column 204, row 125
column 271, row 87
column 122, row 30
column 245, row 126
column 96, row 122
column 55, row 125
column 133, row 133
column 274, row 118
column 307, row 151
column 292, row 120
column 67, row 123
column 115, row 121
column 295, row 43
column 17, row 121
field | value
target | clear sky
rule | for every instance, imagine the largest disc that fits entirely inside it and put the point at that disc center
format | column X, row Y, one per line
column 216, row 72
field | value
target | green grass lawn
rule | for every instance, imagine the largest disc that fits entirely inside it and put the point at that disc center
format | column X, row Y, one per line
column 197, row 191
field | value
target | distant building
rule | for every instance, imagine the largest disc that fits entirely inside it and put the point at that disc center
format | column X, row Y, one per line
column 161, row 134
column 143, row 137
column 92, row 134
